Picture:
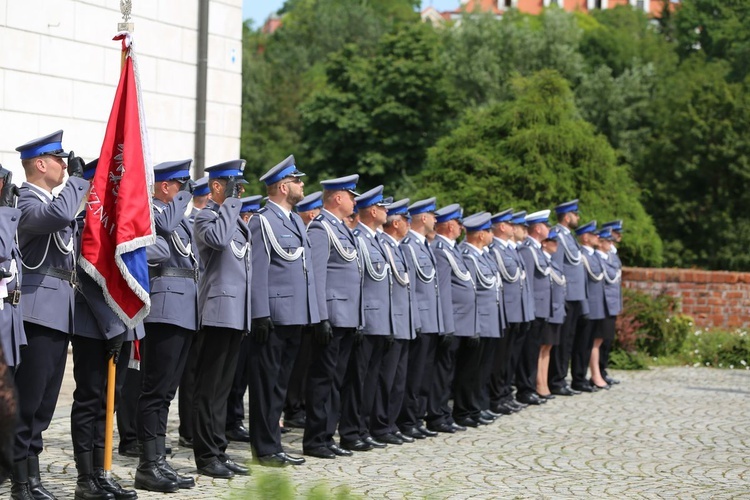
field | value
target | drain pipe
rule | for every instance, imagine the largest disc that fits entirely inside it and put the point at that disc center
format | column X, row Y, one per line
column 199, row 159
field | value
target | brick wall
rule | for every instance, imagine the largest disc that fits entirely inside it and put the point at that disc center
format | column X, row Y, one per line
column 712, row 298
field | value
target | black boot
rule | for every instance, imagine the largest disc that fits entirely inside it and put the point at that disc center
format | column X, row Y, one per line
column 148, row 476
column 166, row 469
column 19, row 486
column 107, row 482
column 38, row 491
column 87, row 487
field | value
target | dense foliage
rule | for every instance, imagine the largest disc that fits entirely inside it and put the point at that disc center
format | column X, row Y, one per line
column 643, row 120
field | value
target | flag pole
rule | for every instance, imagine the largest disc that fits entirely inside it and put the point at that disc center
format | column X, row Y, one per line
column 109, row 423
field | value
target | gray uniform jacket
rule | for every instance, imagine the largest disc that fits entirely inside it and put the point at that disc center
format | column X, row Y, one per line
column 284, row 289
column 612, row 284
column 405, row 315
column 457, row 291
column 12, row 335
column 223, row 241
column 537, row 265
column 517, row 294
column 377, row 283
column 490, row 260
column 174, row 299
column 558, row 297
column 568, row 256
column 421, row 260
column 336, row 266
column 94, row 318
column 47, row 240
column 596, row 306
column 489, row 298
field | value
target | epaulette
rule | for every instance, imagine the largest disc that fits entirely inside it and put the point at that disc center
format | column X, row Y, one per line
column 406, row 240
column 439, row 245
column 158, row 208
column 356, row 232
column 263, row 210
column 318, row 217
column 466, row 251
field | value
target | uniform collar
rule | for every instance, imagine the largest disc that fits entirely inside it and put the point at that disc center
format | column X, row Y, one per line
column 38, row 190
column 286, row 212
column 420, row 237
column 501, row 242
column 535, row 243
column 589, row 250
column 450, row 242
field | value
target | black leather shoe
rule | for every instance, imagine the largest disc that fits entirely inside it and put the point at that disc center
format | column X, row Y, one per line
column 546, row 396
column 357, row 445
column 446, row 428
column 185, row 442
column 280, row 459
column 374, row 442
column 390, row 439
column 216, row 469
column 294, row 423
column 109, row 484
column 489, row 414
column 339, row 451
column 575, row 392
column 530, row 398
column 514, row 403
column 129, row 450
column 611, row 381
column 467, row 422
column 604, row 387
column 457, row 427
column 184, row 482
column 585, row 387
column 320, row 452
column 484, row 421
column 503, row 409
column 284, row 430
column 238, row 434
column 238, row 469
column 562, row 391
column 412, row 433
column 403, row 437
column 427, row 432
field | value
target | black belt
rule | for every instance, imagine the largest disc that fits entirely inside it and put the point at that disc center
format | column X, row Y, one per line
column 55, row 272
column 13, row 298
column 173, row 272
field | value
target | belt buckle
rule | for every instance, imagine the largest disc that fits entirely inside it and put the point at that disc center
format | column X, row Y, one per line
column 15, row 297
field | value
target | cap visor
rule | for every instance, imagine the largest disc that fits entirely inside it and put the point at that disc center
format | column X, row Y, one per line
column 352, row 192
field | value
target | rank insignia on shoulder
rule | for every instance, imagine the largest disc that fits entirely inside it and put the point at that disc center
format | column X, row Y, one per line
column 263, row 210
column 356, row 232
column 319, row 217
column 466, row 251
column 439, row 245
column 406, row 240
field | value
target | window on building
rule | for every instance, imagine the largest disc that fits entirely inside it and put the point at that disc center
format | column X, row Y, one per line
column 640, row 4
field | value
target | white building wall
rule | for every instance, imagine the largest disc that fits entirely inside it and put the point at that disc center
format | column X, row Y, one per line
column 59, row 69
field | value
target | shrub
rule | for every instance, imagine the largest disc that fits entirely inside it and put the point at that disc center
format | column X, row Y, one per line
column 718, row 348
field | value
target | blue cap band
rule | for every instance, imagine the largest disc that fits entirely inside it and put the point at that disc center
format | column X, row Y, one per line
column 41, row 149
column 172, row 174
column 280, row 175
column 232, row 172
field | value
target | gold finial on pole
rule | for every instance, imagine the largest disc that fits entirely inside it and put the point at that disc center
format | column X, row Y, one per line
column 126, row 7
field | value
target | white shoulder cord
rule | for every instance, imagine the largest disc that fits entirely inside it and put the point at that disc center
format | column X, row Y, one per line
column 575, row 260
column 401, row 281
column 368, row 263
column 482, row 280
column 463, row 276
column 503, row 270
column 609, row 280
column 64, row 248
column 424, row 278
column 595, row 277
column 558, row 279
column 346, row 255
column 270, row 237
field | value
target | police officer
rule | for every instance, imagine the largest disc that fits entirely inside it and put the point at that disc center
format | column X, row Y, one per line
column 421, row 260
column 99, row 335
column 283, row 302
column 46, row 239
column 338, row 280
column 12, row 336
column 394, row 371
column 611, row 275
column 469, row 379
column 361, row 381
column 201, row 196
column 518, row 305
column 223, row 242
column 235, row 429
column 458, row 297
column 551, row 332
column 615, row 227
column 294, row 407
column 539, row 268
column 170, row 325
column 568, row 256
column 590, row 325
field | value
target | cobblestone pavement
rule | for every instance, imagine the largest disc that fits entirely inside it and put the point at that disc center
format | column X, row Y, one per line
column 662, row 433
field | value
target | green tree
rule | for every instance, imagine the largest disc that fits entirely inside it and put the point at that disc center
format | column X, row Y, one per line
column 378, row 114
column 696, row 175
column 533, row 152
